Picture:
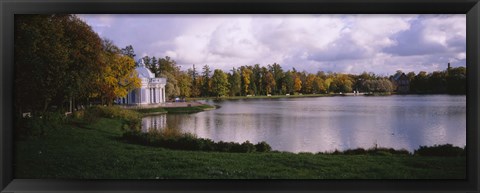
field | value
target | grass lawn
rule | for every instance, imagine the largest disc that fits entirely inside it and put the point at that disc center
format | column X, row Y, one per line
column 95, row 151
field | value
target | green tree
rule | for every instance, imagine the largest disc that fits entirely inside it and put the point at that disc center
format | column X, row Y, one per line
column 278, row 76
column 256, row 81
column 235, row 81
column 195, row 85
column 184, row 84
column 128, row 51
column 171, row 88
column 420, row 83
column 220, row 83
column 457, row 80
column 167, row 65
column 206, row 87
column 167, row 68
column 289, row 82
column 319, row 85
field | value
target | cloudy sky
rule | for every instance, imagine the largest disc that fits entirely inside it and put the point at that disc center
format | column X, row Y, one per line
column 338, row 43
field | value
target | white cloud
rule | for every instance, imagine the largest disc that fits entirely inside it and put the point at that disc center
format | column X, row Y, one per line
column 339, row 43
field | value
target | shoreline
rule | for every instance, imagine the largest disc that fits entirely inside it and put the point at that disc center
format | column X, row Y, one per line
column 175, row 108
column 314, row 95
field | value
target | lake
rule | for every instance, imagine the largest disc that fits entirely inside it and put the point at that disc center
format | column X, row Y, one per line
column 328, row 123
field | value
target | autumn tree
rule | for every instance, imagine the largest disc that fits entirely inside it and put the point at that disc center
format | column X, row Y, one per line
column 119, row 76
column 318, row 85
column 341, row 83
column 246, row 75
column 297, row 86
column 309, row 87
column 57, row 57
column 269, row 82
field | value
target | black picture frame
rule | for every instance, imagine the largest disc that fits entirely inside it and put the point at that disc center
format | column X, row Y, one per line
column 8, row 8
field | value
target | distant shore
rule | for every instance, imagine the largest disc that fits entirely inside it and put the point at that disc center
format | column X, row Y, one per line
column 307, row 95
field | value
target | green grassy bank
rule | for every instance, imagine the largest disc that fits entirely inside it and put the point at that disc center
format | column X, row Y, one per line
column 97, row 151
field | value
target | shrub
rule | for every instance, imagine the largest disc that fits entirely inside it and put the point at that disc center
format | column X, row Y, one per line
column 371, row 151
column 173, row 139
column 447, row 150
column 131, row 120
column 263, row 147
column 388, row 151
column 39, row 124
column 358, row 151
column 247, row 147
column 224, row 146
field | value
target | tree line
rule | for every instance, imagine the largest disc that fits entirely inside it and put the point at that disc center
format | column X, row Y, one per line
column 274, row 80
column 61, row 63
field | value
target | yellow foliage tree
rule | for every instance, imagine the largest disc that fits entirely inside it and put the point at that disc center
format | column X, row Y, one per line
column 118, row 77
column 297, row 86
column 246, row 73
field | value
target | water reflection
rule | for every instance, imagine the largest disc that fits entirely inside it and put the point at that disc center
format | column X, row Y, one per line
column 329, row 123
column 154, row 122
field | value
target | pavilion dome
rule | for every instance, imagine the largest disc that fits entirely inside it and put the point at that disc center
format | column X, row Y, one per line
column 143, row 72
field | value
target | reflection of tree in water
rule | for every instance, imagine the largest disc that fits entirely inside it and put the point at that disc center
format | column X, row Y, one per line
column 157, row 122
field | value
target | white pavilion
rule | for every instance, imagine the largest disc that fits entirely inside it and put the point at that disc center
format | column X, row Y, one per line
column 151, row 91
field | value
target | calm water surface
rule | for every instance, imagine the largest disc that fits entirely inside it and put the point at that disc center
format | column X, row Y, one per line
column 328, row 123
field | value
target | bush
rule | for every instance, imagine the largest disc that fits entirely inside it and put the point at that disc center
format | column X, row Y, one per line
column 131, row 120
column 358, row 151
column 263, row 147
column 173, row 139
column 447, row 150
column 39, row 124
column 371, row 151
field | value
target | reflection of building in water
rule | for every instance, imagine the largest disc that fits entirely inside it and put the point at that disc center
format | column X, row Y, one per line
column 154, row 122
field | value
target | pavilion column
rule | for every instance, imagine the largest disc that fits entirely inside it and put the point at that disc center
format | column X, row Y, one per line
column 150, row 99
column 163, row 95
column 153, row 95
column 158, row 96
